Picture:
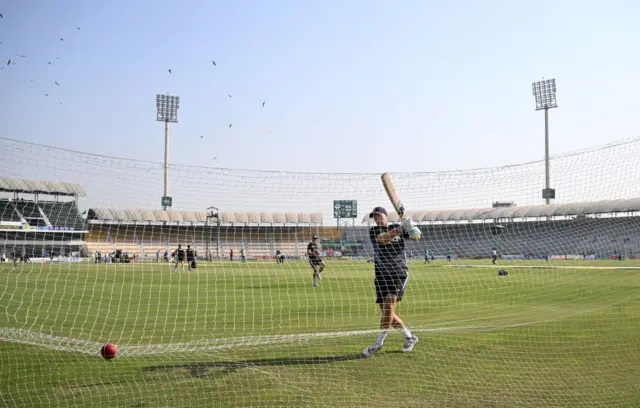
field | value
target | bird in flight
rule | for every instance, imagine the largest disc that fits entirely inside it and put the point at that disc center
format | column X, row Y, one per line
column 231, row 125
column 169, row 70
column 229, row 96
column 56, row 82
column 263, row 103
column 214, row 64
column 61, row 39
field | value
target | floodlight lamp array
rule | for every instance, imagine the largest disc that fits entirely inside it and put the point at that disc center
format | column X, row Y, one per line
column 545, row 94
column 167, row 108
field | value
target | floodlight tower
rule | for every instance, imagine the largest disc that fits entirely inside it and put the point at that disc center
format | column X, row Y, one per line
column 167, row 111
column 545, row 93
column 213, row 213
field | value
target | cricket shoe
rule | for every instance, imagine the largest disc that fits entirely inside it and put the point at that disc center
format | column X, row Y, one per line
column 371, row 350
column 409, row 343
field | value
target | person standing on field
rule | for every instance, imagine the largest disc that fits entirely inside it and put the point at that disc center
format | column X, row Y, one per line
column 316, row 262
column 391, row 274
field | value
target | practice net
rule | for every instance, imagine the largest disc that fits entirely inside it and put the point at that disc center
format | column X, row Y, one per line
column 246, row 326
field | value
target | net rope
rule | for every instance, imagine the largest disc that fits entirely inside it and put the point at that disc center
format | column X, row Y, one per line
column 562, row 320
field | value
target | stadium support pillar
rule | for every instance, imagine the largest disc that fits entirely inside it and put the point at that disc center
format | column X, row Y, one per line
column 218, row 241
column 270, row 238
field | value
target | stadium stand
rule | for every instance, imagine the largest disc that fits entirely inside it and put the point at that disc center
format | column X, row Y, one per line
column 34, row 227
column 7, row 211
column 147, row 233
column 589, row 229
column 30, row 212
column 62, row 214
column 598, row 229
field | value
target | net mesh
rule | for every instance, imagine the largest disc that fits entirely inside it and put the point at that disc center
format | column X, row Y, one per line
column 247, row 327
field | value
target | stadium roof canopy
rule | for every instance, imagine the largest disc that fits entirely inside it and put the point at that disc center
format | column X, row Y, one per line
column 41, row 187
column 525, row 211
column 113, row 214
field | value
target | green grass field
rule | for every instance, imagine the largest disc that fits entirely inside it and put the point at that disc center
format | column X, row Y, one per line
column 257, row 334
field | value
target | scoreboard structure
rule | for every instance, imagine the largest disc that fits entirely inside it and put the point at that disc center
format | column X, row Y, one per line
column 345, row 209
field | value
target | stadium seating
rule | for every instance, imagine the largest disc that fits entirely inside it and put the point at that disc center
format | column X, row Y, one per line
column 62, row 214
column 587, row 236
column 7, row 211
column 600, row 237
column 43, row 213
column 28, row 209
column 146, row 240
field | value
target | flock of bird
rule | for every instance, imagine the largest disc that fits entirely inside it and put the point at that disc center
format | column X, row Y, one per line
column 12, row 61
column 215, row 65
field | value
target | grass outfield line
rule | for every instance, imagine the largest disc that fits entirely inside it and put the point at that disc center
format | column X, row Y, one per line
column 90, row 348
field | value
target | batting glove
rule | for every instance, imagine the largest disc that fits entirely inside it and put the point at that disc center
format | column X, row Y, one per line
column 415, row 233
column 407, row 224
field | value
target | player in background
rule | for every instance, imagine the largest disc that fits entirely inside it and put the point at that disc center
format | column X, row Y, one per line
column 426, row 255
column 243, row 257
column 191, row 257
column 494, row 256
column 449, row 255
column 179, row 260
column 317, row 264
column 391, row 274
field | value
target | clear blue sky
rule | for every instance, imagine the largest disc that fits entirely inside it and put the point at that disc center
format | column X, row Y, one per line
column 350, row 86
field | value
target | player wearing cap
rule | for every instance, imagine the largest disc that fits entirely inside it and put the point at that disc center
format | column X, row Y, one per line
column 317, row 264
column 391, row 274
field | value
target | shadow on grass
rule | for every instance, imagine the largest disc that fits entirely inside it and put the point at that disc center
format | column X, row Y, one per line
column 205, row 369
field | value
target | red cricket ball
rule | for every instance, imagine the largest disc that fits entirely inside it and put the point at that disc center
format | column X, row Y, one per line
column 108, row 351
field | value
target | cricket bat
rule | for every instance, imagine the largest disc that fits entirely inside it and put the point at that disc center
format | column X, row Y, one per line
column 387, row 182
